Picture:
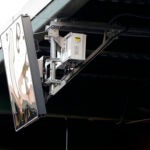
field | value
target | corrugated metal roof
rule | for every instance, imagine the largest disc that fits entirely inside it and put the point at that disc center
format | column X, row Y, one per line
column 57, row 8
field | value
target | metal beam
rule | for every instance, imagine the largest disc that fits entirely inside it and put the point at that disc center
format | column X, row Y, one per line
column 140, row 2
column 99, row 28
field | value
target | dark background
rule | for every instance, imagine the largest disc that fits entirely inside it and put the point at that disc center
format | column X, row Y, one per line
column 100, row 105
column 49, row 133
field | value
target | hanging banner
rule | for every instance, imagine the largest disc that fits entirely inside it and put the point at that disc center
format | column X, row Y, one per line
column 22, row 72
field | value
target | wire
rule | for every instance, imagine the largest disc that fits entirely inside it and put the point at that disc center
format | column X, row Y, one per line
column 39, row 32
column 138, row 121
column 128, row 15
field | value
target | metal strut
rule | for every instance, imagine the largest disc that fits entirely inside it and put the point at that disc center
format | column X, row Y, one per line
column 100, row 28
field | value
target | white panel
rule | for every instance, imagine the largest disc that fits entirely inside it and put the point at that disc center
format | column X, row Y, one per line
column 33, row 7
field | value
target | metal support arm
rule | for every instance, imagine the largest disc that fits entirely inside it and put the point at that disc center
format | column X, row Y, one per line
column 99, row 28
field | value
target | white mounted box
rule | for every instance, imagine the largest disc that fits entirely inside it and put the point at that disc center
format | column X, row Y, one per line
column 75, row 47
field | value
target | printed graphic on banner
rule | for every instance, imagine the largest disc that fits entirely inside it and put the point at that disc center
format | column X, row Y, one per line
column 19, row 78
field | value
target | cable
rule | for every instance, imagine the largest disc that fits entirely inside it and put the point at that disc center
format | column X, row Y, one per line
column 39, row 32
column 138, row 121
column 128, row 15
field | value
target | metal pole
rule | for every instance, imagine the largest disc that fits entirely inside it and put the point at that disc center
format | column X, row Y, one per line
column 52, row 64
column 66, row 138
column 67, row 132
